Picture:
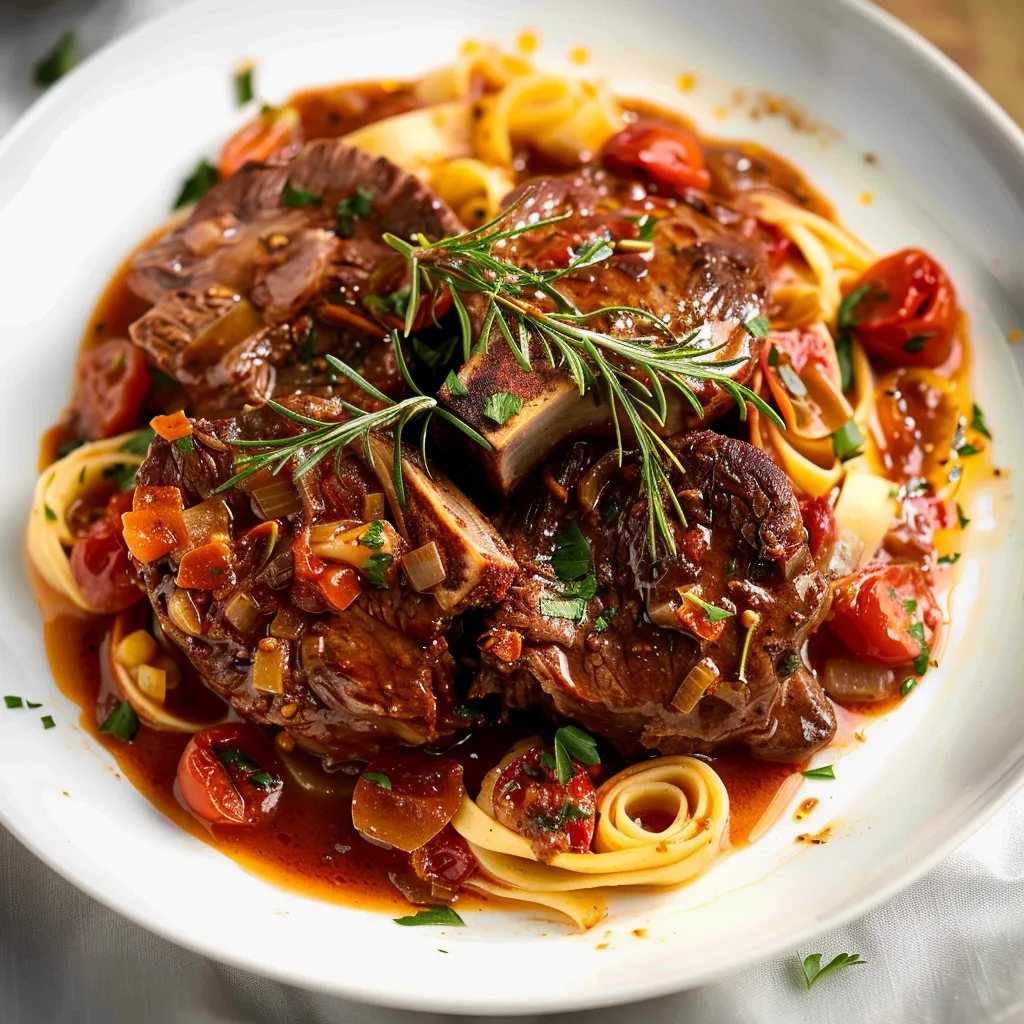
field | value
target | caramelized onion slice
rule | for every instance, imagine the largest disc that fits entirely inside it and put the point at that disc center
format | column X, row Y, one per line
column 424, row 567
column 847, row 679
column 405, row 798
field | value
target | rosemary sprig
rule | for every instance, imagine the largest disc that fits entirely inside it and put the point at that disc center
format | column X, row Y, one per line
column 325, row 437
column 628, row 374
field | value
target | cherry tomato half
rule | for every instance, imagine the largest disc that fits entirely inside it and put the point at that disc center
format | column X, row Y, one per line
column 668, row 154
column 100, row 564
column 268, row 135
column 112, row 384
column 907, row 312
column 555, row 818
column 886, row 613
column 220, row 784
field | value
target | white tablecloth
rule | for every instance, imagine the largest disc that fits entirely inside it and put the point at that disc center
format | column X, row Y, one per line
column 950, row 949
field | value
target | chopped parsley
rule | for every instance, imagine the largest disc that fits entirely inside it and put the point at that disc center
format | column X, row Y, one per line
column 789, row 664
column 435, row 356
column 967, row 449
column 255, row 774
column 376, row 568
column 433, row 916
column 293, row 196
column 394, row 302
column 32, row 704
column 185, row 445
column 349, row 209
column 845, row 322
column 48, row 722
column 373, row 537
column 243, row 85
column 713, row 612
column 847, row 441
column 50, row 514
column 378, row 779
column 758, row 327
column 122, row 723
column 563, row 608
column 58, row 62
column 572, row 557
column 604, row 620
column 139, row 445
column 67, row 447
column 921, row 661
column 907, row 685
column 824, row 772
column 961, row 518
column 197, row 184
column 773, row 356
column 455, row 386
column 813, row 971
column 950, row 559
column 978, row 422
column 13, row 702
column 585, row 588
column 917, row 342
column 502, row 406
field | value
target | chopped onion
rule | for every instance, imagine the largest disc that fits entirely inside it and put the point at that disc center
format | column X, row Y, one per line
column 136, row 649
column 182, row 611
column 697, row 680
column 268, row 666
column 593, row 482
column 847, row 679
column 207, row 522
column 276, row 496
column 153, row 682
column 343, row 542
column 424, row 567
column 288, row 623
column 373, row 506
column 242, row 611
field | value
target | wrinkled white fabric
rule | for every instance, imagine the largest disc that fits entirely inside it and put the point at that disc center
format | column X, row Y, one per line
column 949, row 950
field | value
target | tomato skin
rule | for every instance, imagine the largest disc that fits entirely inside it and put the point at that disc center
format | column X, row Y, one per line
column 216, row 794
column 262, row 138
column 111, row 386
column 874, row 623
column 820, row 523
column 100, row 564
column 908, row 315
column 446, row 861
column 668, row 154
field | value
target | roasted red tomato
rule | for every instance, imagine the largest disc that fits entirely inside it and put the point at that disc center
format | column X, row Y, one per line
column 887, row 614
column 555, row 818
column 100, row 563
column 668, row 154
column 446, row 862
column 221, row 784
column 906, row 310
column 820, row 523
column 111, row 386
column 267, row 135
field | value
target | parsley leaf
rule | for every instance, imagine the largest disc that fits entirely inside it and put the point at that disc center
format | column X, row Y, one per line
column 243, row 85
column 824, row 772
column 373, row 538
column 185, row 445
column 967, row 449
column 376, row 568
column 813, row 971
column 713, row 612
column 847, row 441
column 122, row 723
column 433, row 916
column 950, row 559
column 604, row 620
column 50, row 514
column 789, row 664
column 68, row 447
column 907, row 685
column 773, row 356
column 139, row 445
column 563, row 608
column 909, row 605
column 573, row 742
column 199, row 182
column 572, row 552
column 455, row 386
column 917, row 342
column 58, row 62
column 48, row 722
column 292, row 196
column 921, row 661
column 585, row 588
column 349, row 209
column 378, row 779
column 13, row 702
column 758, row 327
column 845, row 322
column 845, row 319
column 978, row 422
column 963, row 520
column 435, row 356
column 502, row 406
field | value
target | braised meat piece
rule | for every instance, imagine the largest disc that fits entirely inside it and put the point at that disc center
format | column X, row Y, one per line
column 305, row 619
column 698, row 650
column 701, row 275
column 277, row 264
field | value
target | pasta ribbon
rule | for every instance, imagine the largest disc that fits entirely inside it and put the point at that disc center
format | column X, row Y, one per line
column 684, row 790
column 57, row 489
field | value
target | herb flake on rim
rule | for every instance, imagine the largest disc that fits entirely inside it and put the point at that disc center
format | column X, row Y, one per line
column 13, row 702
column 58, row 62
column 433, row 916
column 978, row 422
column 826, row 771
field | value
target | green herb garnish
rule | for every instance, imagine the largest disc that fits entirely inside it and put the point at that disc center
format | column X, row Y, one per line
column 824, row 772
column 122, row 723
column 907, row 685
column 758, row 327
column 847, row 441
column 293, row 196
column 197, row 184
column 376, row 568
column 961, row 518
column 373, row 537
column 845, row 322
column 13, row 702
column 58, row 62
column 713, row 612
column 563, row 608
column 67, row 447
column 921, row 661
column 813, row 971
column 604, row 620
column 48, row 722
column 789, row 664
column 50, row 514
column 967, row 449
column 978, row 422
column 243, row 85
column 917, row 342
column 573, row 742
column 378, row 779
column 433, row 916
column 572, row 557
column 455, row 386
column 356, row 205
column 185, row 445
column 950, row 559
column 502, row 406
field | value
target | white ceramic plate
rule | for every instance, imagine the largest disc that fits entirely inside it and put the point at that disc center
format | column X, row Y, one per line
column 93, row 168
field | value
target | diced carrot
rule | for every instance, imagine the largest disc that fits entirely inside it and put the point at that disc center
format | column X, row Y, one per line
column 260, row 139
column 151, row 534
column 206, row 568
column 340, row 586
column 172, row 427
column 156, row 498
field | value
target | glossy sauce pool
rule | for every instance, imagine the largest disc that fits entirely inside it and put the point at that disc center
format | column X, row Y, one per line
column 311, row 846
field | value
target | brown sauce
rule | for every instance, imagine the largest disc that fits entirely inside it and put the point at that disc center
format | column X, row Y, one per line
column 311, row 846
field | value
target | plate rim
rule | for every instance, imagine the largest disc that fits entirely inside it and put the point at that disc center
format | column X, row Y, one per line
column 996, row 795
